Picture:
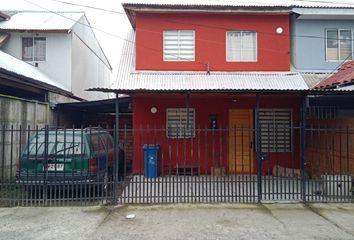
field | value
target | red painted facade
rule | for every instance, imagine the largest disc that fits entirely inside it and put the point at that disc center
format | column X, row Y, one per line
column 208, row 148
column 210, row 41
column 185, row 152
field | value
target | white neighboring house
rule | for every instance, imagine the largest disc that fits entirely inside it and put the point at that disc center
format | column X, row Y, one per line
column 63, row 46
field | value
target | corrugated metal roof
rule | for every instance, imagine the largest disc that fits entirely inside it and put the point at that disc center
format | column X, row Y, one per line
column 345, row 88
column 44, row 21
column 245, row 3
column 21, row 68
column 312, row 79
column 130, row 80
column 214, row 81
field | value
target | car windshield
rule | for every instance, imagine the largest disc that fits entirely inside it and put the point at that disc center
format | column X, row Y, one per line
column 58, row 146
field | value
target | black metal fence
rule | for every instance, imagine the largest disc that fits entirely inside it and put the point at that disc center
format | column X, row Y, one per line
column 57, row 166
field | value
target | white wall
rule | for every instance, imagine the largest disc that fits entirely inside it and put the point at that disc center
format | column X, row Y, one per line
column 310, row 52
column 74, row 59
column 89, row 66
column 58, row 54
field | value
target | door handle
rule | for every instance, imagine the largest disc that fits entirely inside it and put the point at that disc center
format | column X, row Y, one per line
column 251, row 144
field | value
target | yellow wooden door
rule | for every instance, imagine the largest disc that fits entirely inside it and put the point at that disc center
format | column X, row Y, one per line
column 241, row 132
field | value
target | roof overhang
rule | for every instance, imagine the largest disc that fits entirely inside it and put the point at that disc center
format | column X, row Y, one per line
column 4, row 16
column 161, row 81
column 13, row 79
column 314, row 92
column 99, row 106
column 131, row 9
column 324, row 13
column 184, row 91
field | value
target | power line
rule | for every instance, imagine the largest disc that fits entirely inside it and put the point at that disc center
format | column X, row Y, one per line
column 204, row 25
column 341, row 63
column 205, row 40
column 91, row 7
column 193, row 24
column 108, row 33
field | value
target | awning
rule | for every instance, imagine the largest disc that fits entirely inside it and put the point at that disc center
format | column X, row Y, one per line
column 99, row 106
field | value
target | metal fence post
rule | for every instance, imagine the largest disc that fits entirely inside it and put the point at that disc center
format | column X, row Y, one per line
column 46, row 143
column 259, row 151
column 116, row 149
column 303, row 148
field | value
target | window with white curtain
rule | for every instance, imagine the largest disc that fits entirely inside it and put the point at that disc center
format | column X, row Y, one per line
column 178, row 45
column 241, row 46
column 34, row 49
column 338, row 44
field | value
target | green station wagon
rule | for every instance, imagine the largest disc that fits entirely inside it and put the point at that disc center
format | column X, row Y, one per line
column 66, row 157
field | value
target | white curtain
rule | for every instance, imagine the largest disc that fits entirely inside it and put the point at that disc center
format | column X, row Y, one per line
column 241, row 46
column 332, row 45
column 345, row 37
column 39, row 49
column 249, row 46
column 27, row 49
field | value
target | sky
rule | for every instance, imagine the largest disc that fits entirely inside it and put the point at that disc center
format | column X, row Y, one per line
column 109, row 27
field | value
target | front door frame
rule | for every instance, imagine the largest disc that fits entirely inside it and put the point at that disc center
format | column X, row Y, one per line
column 241, row 157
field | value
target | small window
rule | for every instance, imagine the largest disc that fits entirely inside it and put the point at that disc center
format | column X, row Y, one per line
column 338, row 44
column 241, row 46
column 34, row 49
column 59, row 144
column 178, row 45
column 275, row 130
column 179, row 125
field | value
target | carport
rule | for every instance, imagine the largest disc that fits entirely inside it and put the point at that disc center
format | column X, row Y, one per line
column 95, row 113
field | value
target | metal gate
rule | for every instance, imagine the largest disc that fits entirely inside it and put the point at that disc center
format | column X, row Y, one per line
column 56, row 166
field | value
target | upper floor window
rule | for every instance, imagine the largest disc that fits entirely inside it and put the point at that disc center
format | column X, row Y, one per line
column 178, row 45
column 338, row 44
column 241, row 46
column 34, row 49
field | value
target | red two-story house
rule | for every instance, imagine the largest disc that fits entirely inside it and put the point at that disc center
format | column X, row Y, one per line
column 205, row 81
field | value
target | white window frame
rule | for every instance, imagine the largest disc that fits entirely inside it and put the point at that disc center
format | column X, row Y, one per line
column 33, row 52
column 256, row 49
column 181, row 134
column 291, row 136
column 179, row 59
column 338, row 31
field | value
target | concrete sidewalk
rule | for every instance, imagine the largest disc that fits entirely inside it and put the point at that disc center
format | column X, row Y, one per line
column 216, row 221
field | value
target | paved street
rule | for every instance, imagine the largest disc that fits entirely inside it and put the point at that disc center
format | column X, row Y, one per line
column 185, row 221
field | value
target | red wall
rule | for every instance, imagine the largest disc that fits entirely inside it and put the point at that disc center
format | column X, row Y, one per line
column 210, row 41
column 186, row 151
